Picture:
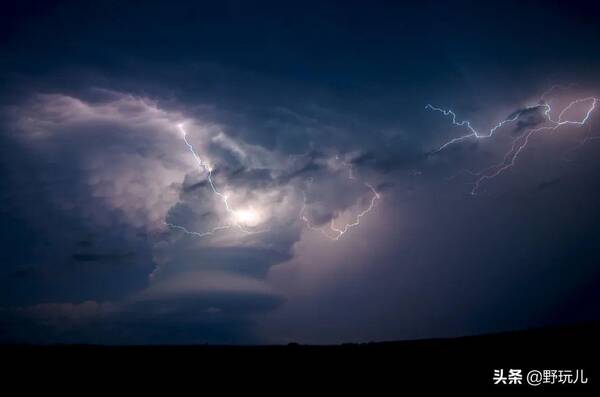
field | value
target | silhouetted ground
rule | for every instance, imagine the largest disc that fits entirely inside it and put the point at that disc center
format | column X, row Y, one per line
column 394, row 367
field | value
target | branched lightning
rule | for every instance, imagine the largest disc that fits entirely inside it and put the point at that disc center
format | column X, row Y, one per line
column 198, row 234
column 520, row 142
column 223, row 197
column 465, row 123
column 333, row 232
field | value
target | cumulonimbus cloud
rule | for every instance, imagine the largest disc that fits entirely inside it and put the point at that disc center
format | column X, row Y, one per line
column 126, row 169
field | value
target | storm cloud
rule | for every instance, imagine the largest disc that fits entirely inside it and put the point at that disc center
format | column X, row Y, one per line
column 180, row 172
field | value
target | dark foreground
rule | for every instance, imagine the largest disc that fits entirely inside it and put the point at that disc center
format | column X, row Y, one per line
column 460, row 363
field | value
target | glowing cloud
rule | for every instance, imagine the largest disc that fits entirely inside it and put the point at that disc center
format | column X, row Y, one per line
column 249, row 218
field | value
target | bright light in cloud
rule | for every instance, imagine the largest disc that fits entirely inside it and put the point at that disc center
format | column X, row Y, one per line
column 247, row 217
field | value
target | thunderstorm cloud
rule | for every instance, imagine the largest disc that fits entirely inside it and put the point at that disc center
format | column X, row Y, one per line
column 240, row 173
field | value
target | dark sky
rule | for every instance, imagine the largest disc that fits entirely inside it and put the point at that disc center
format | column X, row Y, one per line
column 319, row 208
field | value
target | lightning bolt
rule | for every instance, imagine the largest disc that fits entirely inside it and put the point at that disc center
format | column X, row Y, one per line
column 519, row 144
column 465, row 123
column 223, row 197
column 333, row 232
column 198, row 234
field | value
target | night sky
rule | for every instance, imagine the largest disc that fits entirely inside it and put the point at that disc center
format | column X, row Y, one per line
column 267, row 172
